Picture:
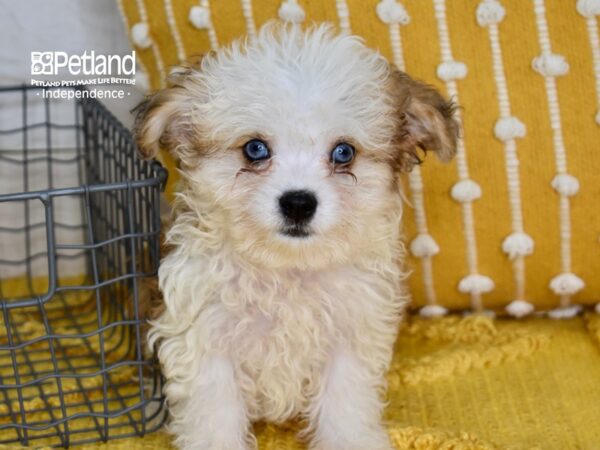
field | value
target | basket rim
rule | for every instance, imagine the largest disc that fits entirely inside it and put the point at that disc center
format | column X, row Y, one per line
column 45, row 194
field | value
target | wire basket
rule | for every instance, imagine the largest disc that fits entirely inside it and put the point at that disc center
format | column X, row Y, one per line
column 76, row 244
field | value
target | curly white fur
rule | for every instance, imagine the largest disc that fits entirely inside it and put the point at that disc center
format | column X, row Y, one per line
column 263, row 326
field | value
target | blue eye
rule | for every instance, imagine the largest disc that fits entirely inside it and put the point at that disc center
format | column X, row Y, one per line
column 256, row 150
column 342, row 153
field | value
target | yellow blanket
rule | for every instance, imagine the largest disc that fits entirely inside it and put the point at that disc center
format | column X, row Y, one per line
column 477, row 383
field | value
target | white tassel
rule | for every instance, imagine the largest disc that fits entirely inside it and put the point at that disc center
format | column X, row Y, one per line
column 518, row 244
column 451, row 70
column 509, row 128
column 588, row 8
column 200, row 17
column 465, row 191
column 140, row 35
column 519, row 308
column 424, row 245
column 291, row 11
column 566, row 312
column 566, row 284
column 475, row 284
column 176, row 35
column 551, row 65
column 343, row 16
column 565, row 184
column 490, row 12
column 431, row 311
column 390, row 11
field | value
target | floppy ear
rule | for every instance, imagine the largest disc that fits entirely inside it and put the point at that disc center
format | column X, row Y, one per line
column 164, row 119
column 425, row 120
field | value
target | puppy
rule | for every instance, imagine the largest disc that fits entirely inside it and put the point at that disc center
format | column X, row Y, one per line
column 283, row 288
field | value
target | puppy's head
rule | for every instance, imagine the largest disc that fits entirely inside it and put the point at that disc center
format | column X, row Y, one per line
column 298, row 138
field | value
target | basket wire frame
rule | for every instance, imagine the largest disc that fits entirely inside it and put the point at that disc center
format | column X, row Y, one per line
column 73, row 368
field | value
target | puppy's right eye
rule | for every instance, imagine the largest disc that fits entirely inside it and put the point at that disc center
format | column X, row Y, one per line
column 256, row 150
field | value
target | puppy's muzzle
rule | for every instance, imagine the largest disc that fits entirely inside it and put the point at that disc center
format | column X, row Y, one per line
column 298, row 208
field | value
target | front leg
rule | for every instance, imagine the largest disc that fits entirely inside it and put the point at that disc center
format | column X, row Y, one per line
column 207, row 411
column 346, row 415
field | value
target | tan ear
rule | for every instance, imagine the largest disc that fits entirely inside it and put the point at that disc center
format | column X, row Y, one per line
column 425, row 120
column 163, row 119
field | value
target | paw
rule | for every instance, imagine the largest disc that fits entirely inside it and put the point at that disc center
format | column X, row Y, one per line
column 375, row 439
column 207, row 440
column 214, row 444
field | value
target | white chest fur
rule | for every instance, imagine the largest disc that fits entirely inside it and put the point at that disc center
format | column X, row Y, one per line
column 280, row 338
column 278, row 328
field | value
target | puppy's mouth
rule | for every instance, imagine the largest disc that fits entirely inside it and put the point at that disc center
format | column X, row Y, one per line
column 296, row 231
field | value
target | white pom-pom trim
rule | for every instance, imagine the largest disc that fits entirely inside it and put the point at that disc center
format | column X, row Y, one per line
column 509, row 128
column 519, row 308
column 565, row 184
column 465, row 191
column 566, row 312
column 518, row 244
column 291, row 11
column 451, row 70
column 140, row 35
column 490, row 12
column 551, row 65
column 433, row 311
column 475, row 284
column 588, row 8
column 424, row 245
column 199, row 17
column 566, row 284
column 390, row 11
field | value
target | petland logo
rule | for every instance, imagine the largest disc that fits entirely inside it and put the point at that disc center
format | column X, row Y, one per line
column 88, row 70
column 89, row 64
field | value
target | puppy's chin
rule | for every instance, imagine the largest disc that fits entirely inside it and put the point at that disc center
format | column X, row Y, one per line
column 290, row 248
column 295, row 233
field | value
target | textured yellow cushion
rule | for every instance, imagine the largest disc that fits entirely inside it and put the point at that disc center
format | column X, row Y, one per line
column 475, row 383
column 471, row 268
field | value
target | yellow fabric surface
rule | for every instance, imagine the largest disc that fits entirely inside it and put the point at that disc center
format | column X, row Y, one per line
column 519, row 40
column 476, row 383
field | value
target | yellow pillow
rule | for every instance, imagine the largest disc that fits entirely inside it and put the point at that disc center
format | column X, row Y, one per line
column 514, row 222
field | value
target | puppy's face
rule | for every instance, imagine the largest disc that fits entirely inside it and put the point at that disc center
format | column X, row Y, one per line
column 297, row 139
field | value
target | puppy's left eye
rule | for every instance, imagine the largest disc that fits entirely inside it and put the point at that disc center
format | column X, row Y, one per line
column 256, row 150
column 342, row 153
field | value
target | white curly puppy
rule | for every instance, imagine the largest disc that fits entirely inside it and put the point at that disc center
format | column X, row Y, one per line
column 283, row 285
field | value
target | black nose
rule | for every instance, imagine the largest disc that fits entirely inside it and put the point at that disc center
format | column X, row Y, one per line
column 298, row 206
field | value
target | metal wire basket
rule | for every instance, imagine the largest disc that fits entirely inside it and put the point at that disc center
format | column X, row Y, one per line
column 76, row 243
